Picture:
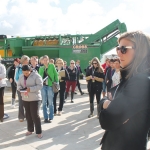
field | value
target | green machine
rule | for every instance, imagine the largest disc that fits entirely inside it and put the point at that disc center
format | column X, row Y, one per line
column 81, row 47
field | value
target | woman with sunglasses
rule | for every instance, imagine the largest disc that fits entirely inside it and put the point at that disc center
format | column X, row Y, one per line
column 126, row 114
column 72, row 79
column 95, row 77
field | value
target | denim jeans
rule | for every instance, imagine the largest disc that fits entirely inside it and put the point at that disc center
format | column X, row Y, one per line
column 104, row 86
column 47, row 102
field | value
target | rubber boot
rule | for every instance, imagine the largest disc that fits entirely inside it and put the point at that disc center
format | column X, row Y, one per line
column 98, row 111
column 72, row 95
column 91, row 110
column 1, row 113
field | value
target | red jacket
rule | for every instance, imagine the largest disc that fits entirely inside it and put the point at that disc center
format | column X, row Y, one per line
column 104, row 67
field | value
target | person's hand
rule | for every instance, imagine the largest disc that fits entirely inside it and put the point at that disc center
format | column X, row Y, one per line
column 109, row 96
column 11, row 80
column 91, row 77
column 106, row 104
column 0, row 78
column 94, row 78
column 28, row 90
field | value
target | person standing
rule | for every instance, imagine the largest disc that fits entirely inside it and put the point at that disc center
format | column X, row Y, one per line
column 24, row 61
column 78, row 76
column 116, row 76
column 62, row 83
column 11, row 74
column 105, row 66
column 34, row 63
column 41, row 61
column 109, row 73
column 46, row 72
column 88, row 67
column 125, row 116
column 30, row 85
column 95, row 78
column 51, row 61
column 65, row 65
column 72, row 72
column 2, row 87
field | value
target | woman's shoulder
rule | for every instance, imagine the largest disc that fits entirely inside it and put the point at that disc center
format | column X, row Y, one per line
column 21, row 77
column 140, row 80
column 68, row 68
column 141, row 76
column 41, row 67
column 35, row 74
column 51, row 65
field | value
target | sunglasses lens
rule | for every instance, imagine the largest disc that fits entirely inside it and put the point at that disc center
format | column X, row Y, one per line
column 123, row 49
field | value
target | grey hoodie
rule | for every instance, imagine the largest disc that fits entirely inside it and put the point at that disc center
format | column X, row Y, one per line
column 35, row 83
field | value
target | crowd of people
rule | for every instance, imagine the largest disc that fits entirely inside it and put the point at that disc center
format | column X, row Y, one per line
column 124, row 110
column 32, row 80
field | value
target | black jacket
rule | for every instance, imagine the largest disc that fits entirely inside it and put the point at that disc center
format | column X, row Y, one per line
column 72, row 74
column 11, row 72
column 131, row 101
column 96, row 86
column 108, row 78
column 36, row 68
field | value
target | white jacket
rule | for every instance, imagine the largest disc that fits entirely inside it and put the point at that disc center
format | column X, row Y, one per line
column 2, row 76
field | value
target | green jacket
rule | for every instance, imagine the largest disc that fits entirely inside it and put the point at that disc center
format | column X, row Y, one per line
column 51, row 71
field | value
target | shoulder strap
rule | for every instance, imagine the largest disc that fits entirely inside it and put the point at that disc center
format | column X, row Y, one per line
column 47, row 74
column 67, row 73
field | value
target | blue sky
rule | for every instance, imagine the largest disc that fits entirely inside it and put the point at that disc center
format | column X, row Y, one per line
column 46, row 17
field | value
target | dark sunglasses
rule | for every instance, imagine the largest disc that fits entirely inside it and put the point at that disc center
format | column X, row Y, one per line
column 123, row 49
column 71, row 63
column 94, row 63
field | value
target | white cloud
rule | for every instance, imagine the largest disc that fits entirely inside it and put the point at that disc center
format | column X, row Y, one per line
column 5, row 24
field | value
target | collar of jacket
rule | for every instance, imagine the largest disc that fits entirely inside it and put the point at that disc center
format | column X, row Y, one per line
column 47, row 66
column 93, row 68
column 125, row 71
column 60, row 69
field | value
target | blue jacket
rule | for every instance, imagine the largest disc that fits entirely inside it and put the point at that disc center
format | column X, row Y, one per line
column 18, row 72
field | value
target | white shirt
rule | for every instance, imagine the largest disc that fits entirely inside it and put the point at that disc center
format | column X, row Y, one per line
column 116, row 78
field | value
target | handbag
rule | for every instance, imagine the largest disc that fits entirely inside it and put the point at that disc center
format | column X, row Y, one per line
column 55, row 85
